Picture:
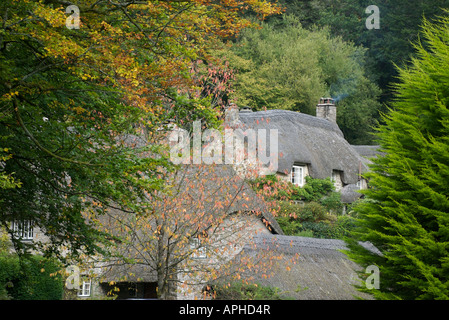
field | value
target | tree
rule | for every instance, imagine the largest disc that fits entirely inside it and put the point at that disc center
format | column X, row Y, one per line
column 34, row 278
column 391, row 44
column 406, row 213
column 72, row 98
column 285, row 66
column 193, row 235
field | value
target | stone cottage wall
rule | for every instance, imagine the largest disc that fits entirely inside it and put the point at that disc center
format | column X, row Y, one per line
column 229, row 240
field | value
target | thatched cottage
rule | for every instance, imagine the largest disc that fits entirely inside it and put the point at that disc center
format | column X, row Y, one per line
column 215, row 219
column 244, row 237
column 307, row 145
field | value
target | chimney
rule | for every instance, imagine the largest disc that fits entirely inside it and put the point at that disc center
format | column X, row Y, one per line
column 326, row 109
column 231, row 116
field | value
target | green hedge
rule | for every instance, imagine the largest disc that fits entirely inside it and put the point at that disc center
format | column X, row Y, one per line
column 312, row 219
column 33, row 278
column 314, row 190
column 311, row 211
column 241, row 291
column 326, row 230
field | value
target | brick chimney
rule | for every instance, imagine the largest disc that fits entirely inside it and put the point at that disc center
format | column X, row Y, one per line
column 326, row 109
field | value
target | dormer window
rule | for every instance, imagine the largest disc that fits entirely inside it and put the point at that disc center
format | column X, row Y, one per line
column 297, row 175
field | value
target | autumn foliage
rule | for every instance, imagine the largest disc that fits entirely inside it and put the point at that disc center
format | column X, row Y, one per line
column 192, row 238
column 72, row 99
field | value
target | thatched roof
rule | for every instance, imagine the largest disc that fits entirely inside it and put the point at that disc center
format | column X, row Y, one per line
column 219, row 184
column 350, row 194
column 309, row 140
column 367, row 151
column 215, row 183
column 128, row 273
column 310, row 269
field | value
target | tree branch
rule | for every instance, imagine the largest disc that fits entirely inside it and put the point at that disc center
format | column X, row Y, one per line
column 38, row 144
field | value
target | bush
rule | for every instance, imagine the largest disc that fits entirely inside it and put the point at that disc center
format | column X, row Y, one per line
column 312, row 220
column 332, row 202
column 240, row 291
column 313, row 211
column 315, row 217
column 305, row 233
column 289, row 209
column 273, row 188
column 327, row 230
column 314, row 189
column 320, row 230
column 31, row 278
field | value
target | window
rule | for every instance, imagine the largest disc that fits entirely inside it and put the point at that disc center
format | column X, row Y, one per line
column 361, row 184
column 297, row 175
column 23, row 229
column 84, row 291
column 198, row 251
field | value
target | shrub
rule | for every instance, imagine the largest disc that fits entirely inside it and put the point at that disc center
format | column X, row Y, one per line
column 31, row 278
column 241, row 291
column 314, row 189
column 305, row 233
column 328, row 230
column 312, row 220
column 273, row 188
column 313, row 211
column 315, row 216
column 288, row 225
column 332, row 202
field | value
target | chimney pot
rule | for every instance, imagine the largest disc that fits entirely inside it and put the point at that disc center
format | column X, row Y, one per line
column 245, row 109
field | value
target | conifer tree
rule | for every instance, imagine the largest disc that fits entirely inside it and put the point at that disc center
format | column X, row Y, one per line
column 406, row 210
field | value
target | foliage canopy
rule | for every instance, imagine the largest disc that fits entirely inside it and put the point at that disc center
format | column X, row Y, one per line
column 406, row 215
column 283, row 65
column 74, row 101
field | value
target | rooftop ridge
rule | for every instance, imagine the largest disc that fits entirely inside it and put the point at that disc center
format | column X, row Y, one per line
column 302, row 118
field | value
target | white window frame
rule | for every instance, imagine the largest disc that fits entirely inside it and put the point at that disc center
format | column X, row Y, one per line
column 297, row 175
column 85, row 289
column 199, row 252
column 23, row 229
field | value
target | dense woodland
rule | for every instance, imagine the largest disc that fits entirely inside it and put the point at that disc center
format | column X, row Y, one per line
column 323, row 48
column 71, row 96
